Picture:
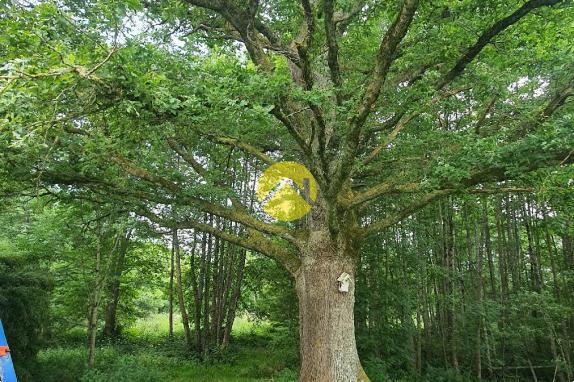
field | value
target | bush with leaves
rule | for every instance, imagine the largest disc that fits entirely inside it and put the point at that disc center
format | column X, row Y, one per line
column 24, row 308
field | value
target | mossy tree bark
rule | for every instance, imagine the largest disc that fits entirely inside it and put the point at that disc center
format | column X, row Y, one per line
column 326, row 314
column 326, row 320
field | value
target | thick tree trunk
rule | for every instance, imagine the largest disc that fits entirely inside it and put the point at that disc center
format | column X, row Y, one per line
column 327, row 329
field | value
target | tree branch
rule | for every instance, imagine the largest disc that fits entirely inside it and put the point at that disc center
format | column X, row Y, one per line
column 342, row 20
column 236, row 202
column 488, row 35
column 484, row 114
column 187, row 157
column 250, row 30
column 332, row 46
column 557, row 100
column 203, row 205
column 390, row 137
column 480, row 175
column 431, row 197
column 383, row 62
column 246, row 147
column 405, row 212
column 292, row 130
column 259, row 244
column 403, row 121
column 387, row 187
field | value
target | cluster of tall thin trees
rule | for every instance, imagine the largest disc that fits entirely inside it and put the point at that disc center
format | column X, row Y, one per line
column 207, row 292
column 208, row 288
column 482, row 285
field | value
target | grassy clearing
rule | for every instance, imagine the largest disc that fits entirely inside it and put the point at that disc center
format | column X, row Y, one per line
column 145, row 353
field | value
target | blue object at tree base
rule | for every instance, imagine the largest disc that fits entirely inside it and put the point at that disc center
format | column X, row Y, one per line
column 7, row 372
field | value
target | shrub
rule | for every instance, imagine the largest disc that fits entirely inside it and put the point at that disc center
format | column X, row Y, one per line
column 287, row 375
column 442, row 375
column 24, row 309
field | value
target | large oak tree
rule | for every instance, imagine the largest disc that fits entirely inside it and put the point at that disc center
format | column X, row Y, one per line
column 391, row 105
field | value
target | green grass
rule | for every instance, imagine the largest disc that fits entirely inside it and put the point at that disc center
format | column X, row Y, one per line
column 145, row 353
column 258, row 352
column 158, row 325
column 155, row 325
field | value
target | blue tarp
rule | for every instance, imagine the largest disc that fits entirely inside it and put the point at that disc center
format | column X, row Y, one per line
column 7, row 373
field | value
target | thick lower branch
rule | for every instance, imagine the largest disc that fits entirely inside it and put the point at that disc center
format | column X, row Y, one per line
column 257, row 243
column 228, row 213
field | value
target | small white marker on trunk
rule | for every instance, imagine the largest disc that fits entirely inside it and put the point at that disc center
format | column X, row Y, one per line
column 344, row 281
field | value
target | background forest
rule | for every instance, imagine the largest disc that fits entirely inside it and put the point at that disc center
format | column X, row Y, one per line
column 132, row 135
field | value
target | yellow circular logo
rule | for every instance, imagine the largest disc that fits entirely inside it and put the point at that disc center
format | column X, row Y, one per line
column 287, row 190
